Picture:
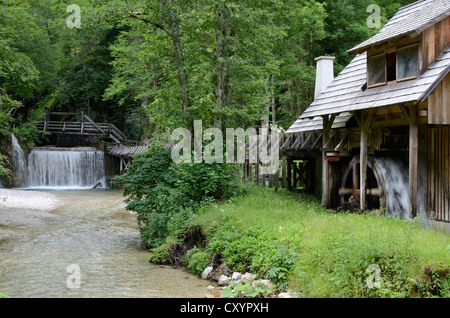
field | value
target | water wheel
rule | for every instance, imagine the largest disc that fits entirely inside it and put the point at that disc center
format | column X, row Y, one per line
column 349, row 191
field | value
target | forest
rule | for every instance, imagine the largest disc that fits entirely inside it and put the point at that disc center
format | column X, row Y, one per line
column 151, row 66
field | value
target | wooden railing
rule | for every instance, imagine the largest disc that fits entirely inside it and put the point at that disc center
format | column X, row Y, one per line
column 85, row 126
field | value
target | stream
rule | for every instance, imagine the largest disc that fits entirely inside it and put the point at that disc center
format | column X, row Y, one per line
column 89, row 247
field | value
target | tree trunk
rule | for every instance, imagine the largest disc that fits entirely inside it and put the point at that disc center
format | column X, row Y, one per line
column 221, row 78
column 176, row 41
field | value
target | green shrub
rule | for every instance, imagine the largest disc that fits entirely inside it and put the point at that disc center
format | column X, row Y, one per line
column 164, row 194
column 255, row 249
column 197, row 260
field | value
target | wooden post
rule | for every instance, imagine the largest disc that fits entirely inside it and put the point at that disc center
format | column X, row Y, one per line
column 413, row 160
column 325, row 138
column 46, row 119
column 327, row 124
column 82, row 122
column 289, row 175
column 365, row 122
column 363, row 169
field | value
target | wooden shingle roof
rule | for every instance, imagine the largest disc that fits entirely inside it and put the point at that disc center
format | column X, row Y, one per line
column 303, row 125
column 127, row 151
column 346, row 94
column 409, row 20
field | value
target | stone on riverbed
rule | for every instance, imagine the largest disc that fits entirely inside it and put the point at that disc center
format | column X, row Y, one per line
column 223, row 280
column 207, row 272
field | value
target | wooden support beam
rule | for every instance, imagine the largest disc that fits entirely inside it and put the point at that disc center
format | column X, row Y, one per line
column 297, row 142
column 82, row 122
column 413, row 161
column 316, row 142
column 287, row 143
column 404, row 112
column 363, row 161
column 329, row 142
column 289, row 174
column 341, row 143
column 308, row 141
column 327, row 124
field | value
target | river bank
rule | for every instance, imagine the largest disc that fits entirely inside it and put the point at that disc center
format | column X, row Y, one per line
column 289, row 239
column 45, row 234
column 29, row 200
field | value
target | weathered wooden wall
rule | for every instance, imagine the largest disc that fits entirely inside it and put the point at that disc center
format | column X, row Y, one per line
column 439, row 103
column 437, row 176
column 435, row 40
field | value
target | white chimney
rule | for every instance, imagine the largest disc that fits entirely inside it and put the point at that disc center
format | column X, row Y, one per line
column 324, row 74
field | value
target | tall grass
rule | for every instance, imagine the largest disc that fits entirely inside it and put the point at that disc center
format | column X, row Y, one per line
column 332, row 250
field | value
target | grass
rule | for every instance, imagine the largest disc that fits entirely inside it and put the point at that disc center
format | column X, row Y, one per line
column 292, row 239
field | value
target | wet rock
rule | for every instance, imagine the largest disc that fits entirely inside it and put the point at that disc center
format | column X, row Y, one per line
column 219, row 271
column 236, row 276
column 207, row 272
column 262, row 282
column 223, row 280
column 248, row 277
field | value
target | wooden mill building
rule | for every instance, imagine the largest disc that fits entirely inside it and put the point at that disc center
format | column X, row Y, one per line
column 392, row 100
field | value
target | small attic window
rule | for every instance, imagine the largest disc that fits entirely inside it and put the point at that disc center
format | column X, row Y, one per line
column 408, row 62
column 377, row 70
column 393, row 66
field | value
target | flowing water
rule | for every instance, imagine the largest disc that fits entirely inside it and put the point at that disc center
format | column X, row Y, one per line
column 20, row 171
column 396, row 180
column 58, row 168
column 91, row 237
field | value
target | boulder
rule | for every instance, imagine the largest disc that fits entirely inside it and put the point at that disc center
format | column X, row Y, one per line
column 223, row 280
column 236, row 276
column 206, row 272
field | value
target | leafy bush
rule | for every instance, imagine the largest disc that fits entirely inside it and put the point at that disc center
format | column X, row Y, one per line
column 197, row 260
column 165, row 194
column 246, row 290
column 254, row 249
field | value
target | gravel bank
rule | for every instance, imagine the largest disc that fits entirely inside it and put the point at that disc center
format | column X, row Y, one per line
column 30, row 200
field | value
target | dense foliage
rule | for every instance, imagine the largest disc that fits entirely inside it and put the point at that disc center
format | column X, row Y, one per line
column 149, row 66
column 164, row 194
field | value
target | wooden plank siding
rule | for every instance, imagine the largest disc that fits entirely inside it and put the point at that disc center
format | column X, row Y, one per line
column 437, row 183
column 439, row 104
column 436, row 40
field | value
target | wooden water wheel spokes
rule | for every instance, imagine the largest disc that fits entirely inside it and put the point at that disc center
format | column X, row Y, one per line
column 350, row 187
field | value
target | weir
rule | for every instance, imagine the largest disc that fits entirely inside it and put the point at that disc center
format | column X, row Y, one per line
column 66, row 168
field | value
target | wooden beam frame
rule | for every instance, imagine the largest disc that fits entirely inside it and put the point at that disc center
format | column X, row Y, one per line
column 327, row 124
column 366, row 121
column 413, row 160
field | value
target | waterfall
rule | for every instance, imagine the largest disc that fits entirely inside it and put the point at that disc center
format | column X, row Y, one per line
column 66, row 168
column 20, row 171
column 396, row 180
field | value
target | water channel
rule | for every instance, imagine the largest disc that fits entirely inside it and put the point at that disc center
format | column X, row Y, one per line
column 90, row 234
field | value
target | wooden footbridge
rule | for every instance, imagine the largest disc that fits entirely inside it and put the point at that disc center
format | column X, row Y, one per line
column 80, row 124
column 117, row 143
